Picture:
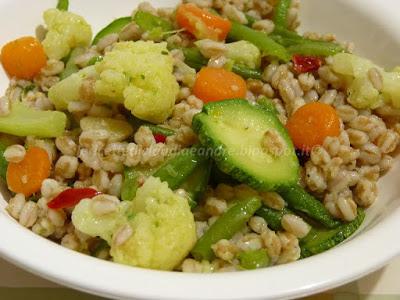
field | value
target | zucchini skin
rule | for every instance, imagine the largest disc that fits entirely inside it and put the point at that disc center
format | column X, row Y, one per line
column 298, row 199
column 221, row 152
column 320, row 240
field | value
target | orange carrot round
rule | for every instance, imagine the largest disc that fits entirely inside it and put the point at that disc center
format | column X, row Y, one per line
column 201, row 23
column 311, row 124
column 214, row 84
column 26, row 177
column 23, row 58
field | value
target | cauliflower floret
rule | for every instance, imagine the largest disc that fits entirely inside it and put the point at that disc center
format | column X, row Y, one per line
column 244, row 53
column 163, row 227
column 65, row 32
column 139, row 74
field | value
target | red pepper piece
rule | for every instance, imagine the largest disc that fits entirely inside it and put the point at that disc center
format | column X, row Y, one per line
column 71, row 197
column 305, row 64
column 160, row 138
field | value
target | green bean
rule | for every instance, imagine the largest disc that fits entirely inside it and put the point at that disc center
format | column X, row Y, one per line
column 232, row 221
column 159, row 130
column 281, row 13
column 250, row 20
column 177, row 169
column 70, row 66
column 94, row 60
column 316, row 48
column 130, row 184
column 3, row 162
column 273, row 217
column 267, row 45
column 148, row 22
column 63, row 5
column 196, row 184
column 114, row 27
column 298, row 199
column 254, row 259
column 246, row 72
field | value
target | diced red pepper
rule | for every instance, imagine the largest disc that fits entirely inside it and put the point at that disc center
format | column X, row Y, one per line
column 305, row 64
column 71, row 197
column 160, row 138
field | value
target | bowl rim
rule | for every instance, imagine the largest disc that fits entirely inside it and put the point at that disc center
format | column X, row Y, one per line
column 112, row 280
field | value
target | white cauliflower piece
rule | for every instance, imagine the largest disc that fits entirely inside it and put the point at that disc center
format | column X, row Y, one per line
column 244, row 53
column 140, row 75
column 163, row 227
column 66, row 31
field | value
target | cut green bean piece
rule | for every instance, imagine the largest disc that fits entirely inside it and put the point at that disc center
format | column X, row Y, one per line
column 254, row 259
column 232, row 221
column 94, row 60
column 70, row 66
column 250, row 20
column 177, row 169
column 321, row 239
column 281, row 13
column 130, row 184
column 149, row 22
column 160, row 130
column 3, row 162
column 247, row 73
column 298, row 199
column 114, row 27
column 267, row 45
column 196, row 184
column 63, row 5
column 273, row 217
column 316, row 48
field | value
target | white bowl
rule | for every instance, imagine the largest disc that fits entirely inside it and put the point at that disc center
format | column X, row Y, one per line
column 373, row 25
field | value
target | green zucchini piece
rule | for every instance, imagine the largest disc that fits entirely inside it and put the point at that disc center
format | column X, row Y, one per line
column 225, row 227
column 254, row 259
column 70, row 66
column 63, row 5
column 24, row 121
column 177, row 169
column 196, row 184
column 217, row 177
column 114, row 27
column 234, row 130
column 273, row 217
column 3, row 162
column 298, row 199
column 320, row 240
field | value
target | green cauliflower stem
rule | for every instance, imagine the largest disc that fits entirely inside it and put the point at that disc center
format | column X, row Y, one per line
column 136, row 74
column 163, row 227
column 356, row 72
column 244, row 53
column 66, row 31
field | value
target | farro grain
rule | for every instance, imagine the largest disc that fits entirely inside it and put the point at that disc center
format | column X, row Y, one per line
column 71, row 241
column 319, row 156
column 66, row 166
column 385, row 164
column 388, row 141
column 329, row 96
column 14, row 153
column 265, row 25
column 258, row 224
column 273, row 200
column 250, row 242
column 366, row 192
column 43, row 227
column 101, row 180
column 272, row 243
column 224, row 191
column 104, row 204
column 315, row 179
column 306, row 81
column 53, row 67
column 370, row 154
column 4, row 106
column 122, row 235
column 115, row 185
column 29, row 214
column 311, row 96
column 15, row 205
column 225, row 250
column 290, row 248
column 57, row 217
column 215, row 207
column 295, row 225
column 130, row 32
column 375, row 76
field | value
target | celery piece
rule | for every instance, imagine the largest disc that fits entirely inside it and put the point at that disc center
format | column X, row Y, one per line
column 24, row 121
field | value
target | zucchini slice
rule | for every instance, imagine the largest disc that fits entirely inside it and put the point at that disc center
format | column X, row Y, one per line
column 237, row 133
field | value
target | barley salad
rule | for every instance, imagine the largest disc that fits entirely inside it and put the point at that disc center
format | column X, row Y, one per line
column 208, row 137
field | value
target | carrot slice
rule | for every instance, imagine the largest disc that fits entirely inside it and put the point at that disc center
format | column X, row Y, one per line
column 201, row 23
column 214, row 84
column 26, row 177
column 311, row 124
column 23, row 58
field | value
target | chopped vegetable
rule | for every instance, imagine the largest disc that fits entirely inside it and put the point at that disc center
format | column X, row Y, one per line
column 281, row 13
column 26, row 177
column 159, row 130
column 315, row 48
column 154, row 25
column 305, row 64
column 246, row 72
column 201, row 23
column 23, row 58
column 225, row 227
column 63, row 5
column 159, row 138
column 239, row 134
column 3, row 162
column 215, row 84
column 94, row 60
column 134, row 178
column 273, row 217
column 114, row 27
column 118, row 130
column 244, row 53
column 254, row 259
column 267, row 45
column 65, row 32
column 311, row 124
column 70, row 66
column 25, row 121
column 320, row 240
column 268, row 105
column 298, row 199
column 71, row 197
